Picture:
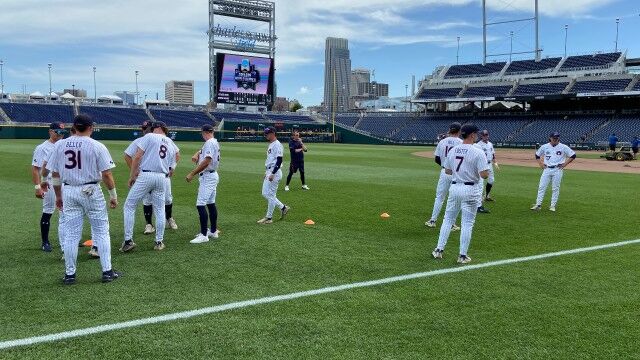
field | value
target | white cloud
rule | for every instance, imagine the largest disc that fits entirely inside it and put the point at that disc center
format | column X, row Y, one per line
column 303, row 90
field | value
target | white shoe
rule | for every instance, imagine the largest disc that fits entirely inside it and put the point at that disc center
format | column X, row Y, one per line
column 149, row 229
column 305, row 187
column 265, row 221
column 535, row 207
column 430, row 224
column 286, row 188
column 213, row 235
column 199, row 239
column 553, row 208
column 171, row 223
column 463, row 259
column 455, row 227
column 437, row 254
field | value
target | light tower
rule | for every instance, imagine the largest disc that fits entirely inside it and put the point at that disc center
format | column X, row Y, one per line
column 485, row 25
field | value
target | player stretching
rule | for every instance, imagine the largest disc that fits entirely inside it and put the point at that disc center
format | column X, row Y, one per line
column 40, row 156
column 153, row 162
column 552, row 158
column 467, row 164
column 272, row 177
column 444, row 181
column 297, row 150
column 208, row 159
column 80, row 162
column 487, row 147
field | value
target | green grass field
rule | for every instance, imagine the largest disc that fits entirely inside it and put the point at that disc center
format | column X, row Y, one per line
column 581, row 306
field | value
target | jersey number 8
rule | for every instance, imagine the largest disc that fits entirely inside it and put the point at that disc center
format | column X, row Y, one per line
column 163, row 152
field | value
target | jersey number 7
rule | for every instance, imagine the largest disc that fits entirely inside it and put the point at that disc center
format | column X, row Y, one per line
column 461, row 158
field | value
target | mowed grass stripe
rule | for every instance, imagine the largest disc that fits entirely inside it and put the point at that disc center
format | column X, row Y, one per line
column 291, row 296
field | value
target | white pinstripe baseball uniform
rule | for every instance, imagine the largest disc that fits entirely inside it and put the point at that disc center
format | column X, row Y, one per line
column 490, row 153
column 80, row 161
column 157, row 162
column 270, row 188
column 41, row 156
column 444, row 181
column 554, row 158
column 209, row 177
column 466, row 162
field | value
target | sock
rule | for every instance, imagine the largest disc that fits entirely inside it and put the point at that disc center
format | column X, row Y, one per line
column 168, row 211
column 302, row 176
column 44, row 227
column 489, row 186
column 148, row 212
column 213, row 216
column 202, row 211
column 289, row 177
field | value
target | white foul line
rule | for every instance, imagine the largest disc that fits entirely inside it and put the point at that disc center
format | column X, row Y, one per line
column 271, row 299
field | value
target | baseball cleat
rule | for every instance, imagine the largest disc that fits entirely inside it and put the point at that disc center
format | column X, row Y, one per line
column 488, row 198
column 464, row 259
column 149, row 229
column 482, row 210
column 265, row 221
column 171, row 224
column 305, row 187
column 283, row 212
column 46, row 247
column 159, row 246
column 430, row 223
column 437, row 253
column 286, row 188
column 536, row 207
column 213, row 235
column 455, row 227
column 199, row 239
column 93, row 252
column 127, row 246
column 69, row 279
column 109, row 276
column 553, row 208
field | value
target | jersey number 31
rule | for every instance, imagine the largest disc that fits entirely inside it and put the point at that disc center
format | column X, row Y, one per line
column 74, row 160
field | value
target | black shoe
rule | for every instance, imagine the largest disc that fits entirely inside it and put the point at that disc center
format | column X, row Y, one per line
column 46, row 247
column 285, row 209
column 481, row 209
column 69, row 279
column 109, row 276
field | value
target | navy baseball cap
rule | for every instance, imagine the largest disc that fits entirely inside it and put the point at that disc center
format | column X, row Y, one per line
column 468, row 129
column 83, row 120
column 269, row 130
column 207, row 128
column 58, row 127
column 555, row 134
column 158, row 124
column 455, row 127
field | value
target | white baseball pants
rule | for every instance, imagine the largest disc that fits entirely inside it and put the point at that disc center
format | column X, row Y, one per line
column 463, row 198
column 444, row 182
column 168, row 195
column 49, row 207
column 147, row 183
column 553, row 176
column 269, row 191
column 77, row 202
column 207, row 190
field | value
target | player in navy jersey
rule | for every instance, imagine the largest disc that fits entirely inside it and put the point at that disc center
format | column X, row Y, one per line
column 297, row 150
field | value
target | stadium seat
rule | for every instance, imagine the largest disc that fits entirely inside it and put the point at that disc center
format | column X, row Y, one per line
column 456, row 71
column 600, row 85
column 590, row 61
column 522, row 66
column 43, row 113
column 110, row 115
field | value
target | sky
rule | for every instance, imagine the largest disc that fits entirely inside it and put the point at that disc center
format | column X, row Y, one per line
column 165, row 39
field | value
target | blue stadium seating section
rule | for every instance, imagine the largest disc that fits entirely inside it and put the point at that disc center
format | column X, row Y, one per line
column 587, row 61
column 441, row 93
column 349, row 120
column 383, row 125
column 486, row 91
column 500, row 128
column 290, row 118
column 108, row 115
column 571, row 129
column 181, row 118
column 600, row 85
column 474, row 70
column 38, row 112
column 423, row 129
column 624, row 126
column 541, row 89
column 532, row 65
column 220, row 115
column 636, row 87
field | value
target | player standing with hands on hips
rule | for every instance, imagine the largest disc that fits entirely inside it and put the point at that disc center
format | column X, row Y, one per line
column 468, row 165
column 153, row 162
column 272, row 177
column 80, row 162
column 40, row 156
column 208, row 159
column 297, row 150
column 444, row 181
column 552, row 158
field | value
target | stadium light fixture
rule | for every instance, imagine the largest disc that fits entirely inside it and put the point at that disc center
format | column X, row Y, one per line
column 566, row 30
column 511, row 45
column 458, row 52
column 73, row 90
column 137, row 93
column 1, row 79
column 95, row 90
column 50, row 65
column 617, row 32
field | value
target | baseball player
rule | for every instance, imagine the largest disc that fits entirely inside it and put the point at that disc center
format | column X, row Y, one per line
column 146, row 201
column 468, row 165
column 207, row 160
column 154, row 161
column 487, row 147
column 635, row 144
column 272, row 177
column 553, row 157
column 297, row 150
column 444, row 181
column 40, row 157
column 80, row 162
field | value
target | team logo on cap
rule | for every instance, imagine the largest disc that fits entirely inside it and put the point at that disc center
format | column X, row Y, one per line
column 246, row 75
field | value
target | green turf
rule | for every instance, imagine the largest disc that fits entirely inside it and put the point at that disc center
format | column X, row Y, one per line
column 578, row 306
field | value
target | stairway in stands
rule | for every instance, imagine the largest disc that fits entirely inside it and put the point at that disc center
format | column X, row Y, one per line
column 4, row 116
column 149, row 114
column 590, row 134
column 511, row 136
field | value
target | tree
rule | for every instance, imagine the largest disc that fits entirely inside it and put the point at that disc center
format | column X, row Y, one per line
column 295, row 106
